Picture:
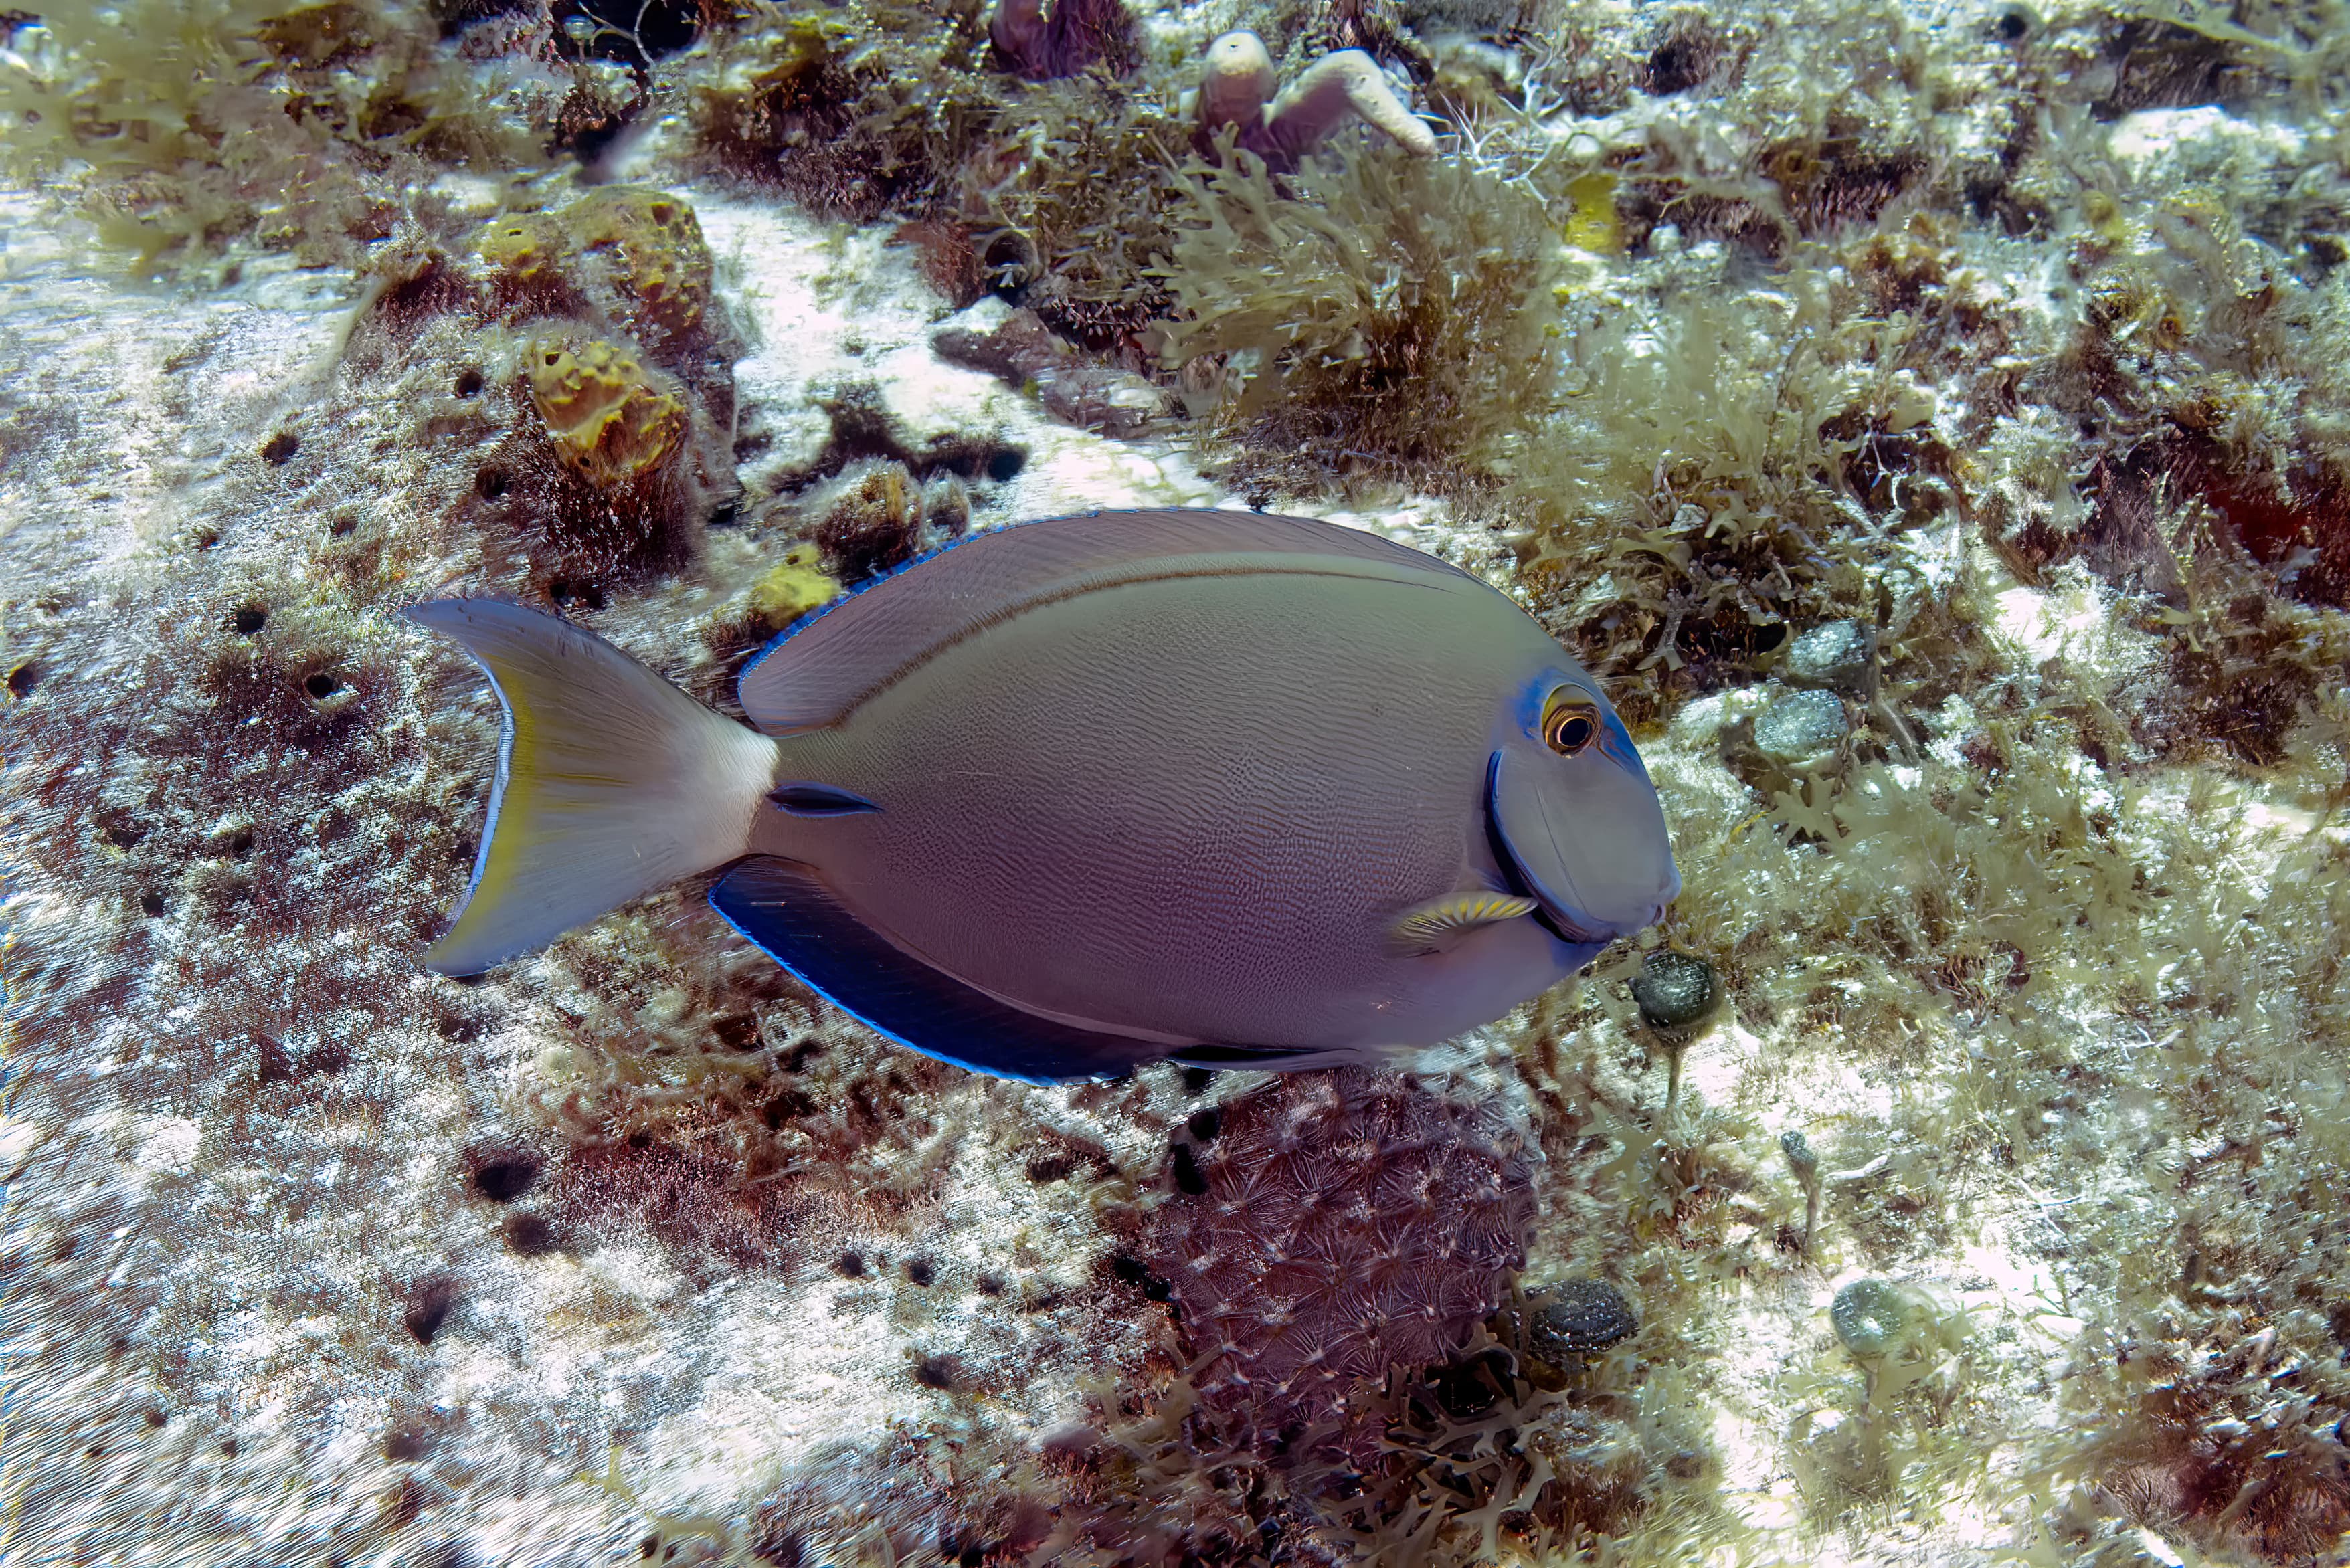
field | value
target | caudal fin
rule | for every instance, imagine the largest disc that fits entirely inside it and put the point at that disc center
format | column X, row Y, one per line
column 611, row 783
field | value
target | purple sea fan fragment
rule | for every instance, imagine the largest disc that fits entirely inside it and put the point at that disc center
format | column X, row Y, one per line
column 1346, row 1221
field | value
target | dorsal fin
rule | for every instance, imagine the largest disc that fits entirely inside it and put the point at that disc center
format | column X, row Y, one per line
column 818, row 669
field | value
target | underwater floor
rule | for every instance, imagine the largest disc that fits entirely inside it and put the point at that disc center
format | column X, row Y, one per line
column 1930, row 423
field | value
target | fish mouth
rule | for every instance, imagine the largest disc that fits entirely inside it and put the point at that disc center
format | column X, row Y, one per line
column 1560, row 918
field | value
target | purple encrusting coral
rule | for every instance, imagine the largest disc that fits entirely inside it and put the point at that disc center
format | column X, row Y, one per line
column 1335, row 1225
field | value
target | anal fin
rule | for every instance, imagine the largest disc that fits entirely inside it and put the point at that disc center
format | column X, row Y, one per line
column 790, row 911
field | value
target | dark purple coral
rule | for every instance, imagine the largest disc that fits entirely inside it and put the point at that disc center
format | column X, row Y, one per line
column 1333, row 1224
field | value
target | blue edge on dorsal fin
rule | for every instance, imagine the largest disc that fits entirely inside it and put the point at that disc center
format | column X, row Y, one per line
column 870, row 584
column 789, row 911
column 866, row 587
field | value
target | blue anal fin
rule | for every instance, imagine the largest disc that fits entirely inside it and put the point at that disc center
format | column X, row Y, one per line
column 788, row 909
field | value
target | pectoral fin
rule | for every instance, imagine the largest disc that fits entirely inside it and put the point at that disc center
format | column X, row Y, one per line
column 1441, row 922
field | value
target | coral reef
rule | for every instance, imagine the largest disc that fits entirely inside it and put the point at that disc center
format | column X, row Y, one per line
column 1328, row 1226
column 1926, row 421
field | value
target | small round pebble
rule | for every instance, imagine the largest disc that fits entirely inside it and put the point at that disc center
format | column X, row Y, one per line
column 1839, row 655
column 1675, row 991
column 1582, row 1316
column 1870, row 1316
column 1801, row 727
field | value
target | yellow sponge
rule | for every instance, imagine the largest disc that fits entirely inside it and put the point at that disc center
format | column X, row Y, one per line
column 792, row 588
column 613, row 420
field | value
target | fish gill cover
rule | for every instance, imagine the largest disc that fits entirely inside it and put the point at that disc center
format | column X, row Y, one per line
column 1928, row 424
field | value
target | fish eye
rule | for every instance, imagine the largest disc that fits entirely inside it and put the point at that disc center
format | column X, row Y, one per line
column 1570, row 722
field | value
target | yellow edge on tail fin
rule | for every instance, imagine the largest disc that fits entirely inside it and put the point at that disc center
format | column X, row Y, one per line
column 611, row 783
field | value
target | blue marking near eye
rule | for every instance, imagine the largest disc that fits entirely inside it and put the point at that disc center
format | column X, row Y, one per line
column 1616, row 745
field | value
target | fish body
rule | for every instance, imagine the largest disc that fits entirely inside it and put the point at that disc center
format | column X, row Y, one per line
column 1094, row 791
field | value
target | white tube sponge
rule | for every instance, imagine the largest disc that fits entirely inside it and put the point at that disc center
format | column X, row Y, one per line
column 1238, row 77
column 1235, row 82
column 1345, row 82
column 1017, row 30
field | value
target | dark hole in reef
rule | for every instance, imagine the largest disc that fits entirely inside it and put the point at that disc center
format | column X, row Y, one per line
column 152, row 905
column 321, row 686
column 1047, row 1167
column 248, row 620
column 429, row 1305
column 1005, row 464
column 727, row 516
column 781, row 1551
column 456, row 1026
column 228, row 1446
column 23, row 678
column 920, row 1271
column 279, row 449
column 527, row 1234
column 1204, row 1124
column 121, row 832
column 1675, row 65
column 1187, row 1172
column 329, row 1059
column 934, row 1371
column 1130, row 1269
column 571, row 593
column 273, row 1065
column 503, row 1177
column 469, row 383
column 736, row 1031
column 1465, row 1390
column 989, row 1285
column 649, row 1545
column 240, row 844
column 2014, row 26
column 490, row 484
column 342, row 525
column 1196, row 1079
column 1008, row 262
column 848, row 1266
column 402, row 1444
column 785, row 1106
column 636, row 31
column 153, row 1417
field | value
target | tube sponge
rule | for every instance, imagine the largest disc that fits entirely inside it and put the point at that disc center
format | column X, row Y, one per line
column 1238, row 77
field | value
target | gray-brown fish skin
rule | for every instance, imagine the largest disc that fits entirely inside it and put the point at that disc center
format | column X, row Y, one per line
column 1080, row 793
column 1190, row 808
